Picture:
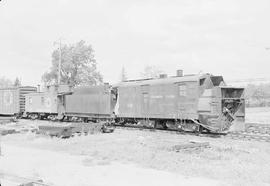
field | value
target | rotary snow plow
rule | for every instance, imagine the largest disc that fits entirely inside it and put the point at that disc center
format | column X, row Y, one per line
column 226, row 104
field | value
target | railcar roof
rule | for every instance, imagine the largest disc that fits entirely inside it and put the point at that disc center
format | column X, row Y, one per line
column 90, row 89
column 35, row 93
column 231, row 86
column 13, row 88
column 174, row 79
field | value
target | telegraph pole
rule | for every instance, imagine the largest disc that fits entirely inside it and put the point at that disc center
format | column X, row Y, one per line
column 59, row 63
column 0, row 147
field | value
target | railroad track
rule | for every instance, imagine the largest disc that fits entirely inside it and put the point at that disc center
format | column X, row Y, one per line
column 248, row 136
column 170, row 131
column 253, row 132
column 257, row 128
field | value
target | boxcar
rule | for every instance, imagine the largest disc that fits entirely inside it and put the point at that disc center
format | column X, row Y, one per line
column 91, row 102
column 191, row 102
column 12, row 100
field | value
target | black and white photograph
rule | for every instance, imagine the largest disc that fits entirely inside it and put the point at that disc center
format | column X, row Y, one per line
column 134, row 93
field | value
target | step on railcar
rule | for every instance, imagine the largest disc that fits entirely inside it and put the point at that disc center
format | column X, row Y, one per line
column 189, row 103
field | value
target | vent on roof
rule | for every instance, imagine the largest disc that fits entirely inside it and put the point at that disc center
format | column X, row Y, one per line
column 179, row 73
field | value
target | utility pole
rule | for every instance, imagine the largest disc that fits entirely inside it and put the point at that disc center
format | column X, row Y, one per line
column 59, row 63
column 0, row 148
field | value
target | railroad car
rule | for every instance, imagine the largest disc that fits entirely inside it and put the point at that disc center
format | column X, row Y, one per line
column 189, row 103
column 91, row 103
column 48, row 104
column 12, row 100
column 200, row 102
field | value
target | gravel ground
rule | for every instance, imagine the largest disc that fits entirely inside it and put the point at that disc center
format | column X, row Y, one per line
column 225, row 162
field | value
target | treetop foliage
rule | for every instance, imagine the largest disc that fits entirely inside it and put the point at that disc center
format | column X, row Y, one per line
column 151, row 72
column 257, row 95
column 17, row 82
column 78, row 66
column 4, row 82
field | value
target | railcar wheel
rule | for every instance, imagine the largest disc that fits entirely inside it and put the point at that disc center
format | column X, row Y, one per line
column 164, row 125
column 33, row 116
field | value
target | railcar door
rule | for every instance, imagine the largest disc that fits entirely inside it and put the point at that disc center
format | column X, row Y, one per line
column 61, row 105
column 187, row 100
column 182, row 93
column 145, row 105
column 145, row 100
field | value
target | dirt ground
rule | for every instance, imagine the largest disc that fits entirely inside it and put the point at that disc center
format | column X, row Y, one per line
column 258, row 115
column 132, row 157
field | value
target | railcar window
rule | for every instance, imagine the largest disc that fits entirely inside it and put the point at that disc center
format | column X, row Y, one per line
column 182, row 90
column 42, row 100
column 145, row 88
column 202, row 81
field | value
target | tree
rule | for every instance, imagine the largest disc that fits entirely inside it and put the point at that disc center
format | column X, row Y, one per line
column 257, row 95
column 17, row 82
column 123, row 74
column 78, row 66
column 4, row 82
column 151, row 72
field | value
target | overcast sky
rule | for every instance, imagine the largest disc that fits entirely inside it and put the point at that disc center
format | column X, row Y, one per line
column 220, row 37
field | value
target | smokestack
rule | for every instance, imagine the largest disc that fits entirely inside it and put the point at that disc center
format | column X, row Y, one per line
column 162, row 76
column 179, row 73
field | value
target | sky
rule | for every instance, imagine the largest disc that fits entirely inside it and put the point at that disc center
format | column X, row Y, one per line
column 222, row 37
